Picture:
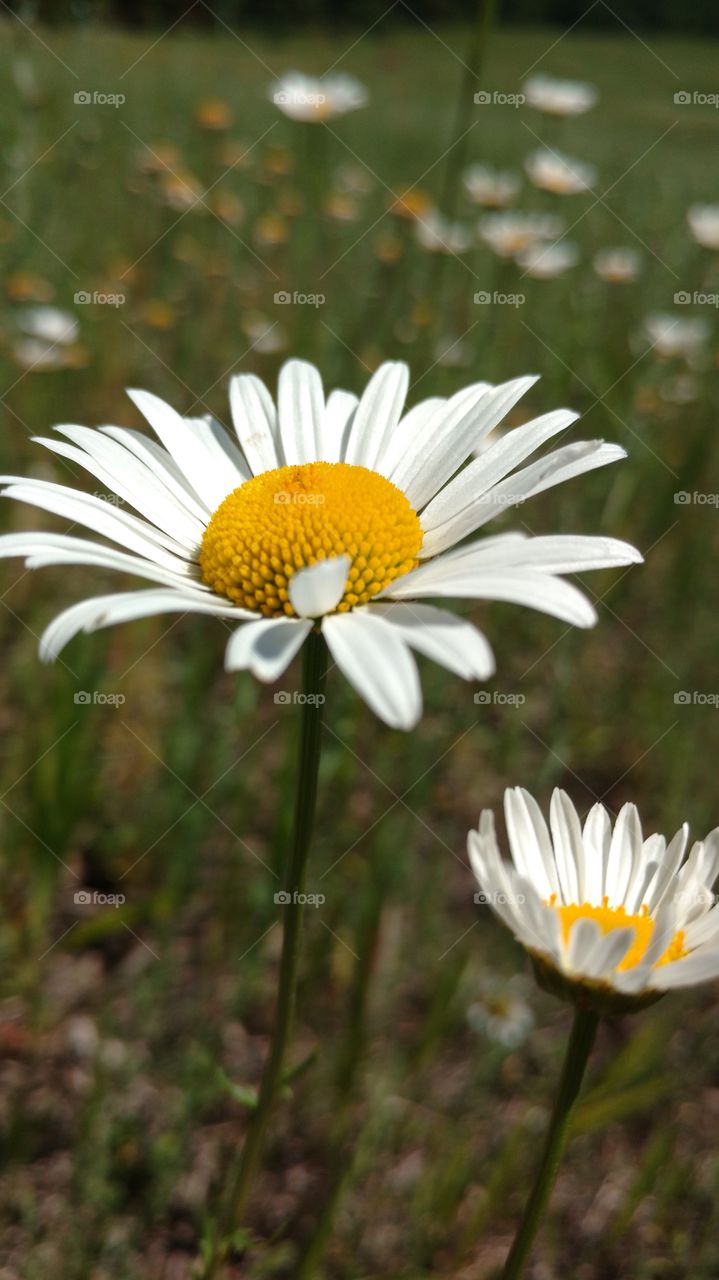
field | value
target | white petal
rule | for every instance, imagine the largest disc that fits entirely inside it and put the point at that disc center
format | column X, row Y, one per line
column 596, row 837
column 554, row 468
column 377, row 664
column 126, row 606
column 377, row 415
column 336, row 423
column 462, row 426
column 195, row 445
column 529, row 841
column 255, row 419
column 609, row 952
column 451, row 514
column 568, row 846
column 664, row 879
column 451, row 641
column 534, row 590
column 701, row 966
column 407, row 432
column 145, row 490
column 101, row 517
column 300, row 408
column 266, row 647
column 43, row 549
column 159, row 461
column 624, row 852
column 319, row 588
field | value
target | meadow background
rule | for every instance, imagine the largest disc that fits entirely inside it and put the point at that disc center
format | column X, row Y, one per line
column 131, row 1036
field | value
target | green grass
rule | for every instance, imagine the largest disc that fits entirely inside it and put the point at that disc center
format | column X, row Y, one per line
column 121, row 1029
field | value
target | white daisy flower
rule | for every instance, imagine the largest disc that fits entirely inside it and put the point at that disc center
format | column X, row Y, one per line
column 560, row 174
column 343, row 514
column 48, row 324
column 609, row 917
column 509, row 234
column 559, row 97
column 671, row 336
column 437, row 234
column 314, row 98
column 617, row 266
column 490, row 187
column 703, row 222
column 547, row 261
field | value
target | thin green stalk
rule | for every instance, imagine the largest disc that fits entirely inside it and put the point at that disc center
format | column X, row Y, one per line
column 584, row 1030
column 456, row 153
column 241, row 1180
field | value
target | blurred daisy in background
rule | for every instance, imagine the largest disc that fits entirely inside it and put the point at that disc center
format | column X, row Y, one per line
column 560, row 174
column 49, row 340
column 490, row 187
column 617, row 266
column 315, row 99
column 437, row 234
column 547, row 261
column 508, row 234
column 502, row 1012
column 671, row 336
column 344, row 514
column 608, row 915
column 559, row 97
column 703, row 222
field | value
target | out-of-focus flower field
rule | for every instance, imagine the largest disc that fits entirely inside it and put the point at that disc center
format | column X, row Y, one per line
column 163, row 224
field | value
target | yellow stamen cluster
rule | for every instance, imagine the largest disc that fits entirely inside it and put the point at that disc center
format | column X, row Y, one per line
column 289, row 518
column 610, row 918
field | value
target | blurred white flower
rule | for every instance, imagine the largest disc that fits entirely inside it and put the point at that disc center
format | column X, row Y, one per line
column 48, row 324
column 547, row 261
column 703, row 222
column 617, row 266
column 682, row 336
column 560, row 174
column 559, row 97
column 31, row 353
column 315, row 99
column 502, row 1012
column 437, row 234
column 490, row 187
column 508, row 234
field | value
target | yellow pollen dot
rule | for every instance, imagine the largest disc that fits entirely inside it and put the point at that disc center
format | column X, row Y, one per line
column 610, row 918
column 289, row 518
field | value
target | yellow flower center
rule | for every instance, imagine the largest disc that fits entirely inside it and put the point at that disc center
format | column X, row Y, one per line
column 609, row 918
column 286, row 519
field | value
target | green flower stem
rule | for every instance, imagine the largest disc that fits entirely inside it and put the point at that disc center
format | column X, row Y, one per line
column 584, row 1030
column 241, row 1181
